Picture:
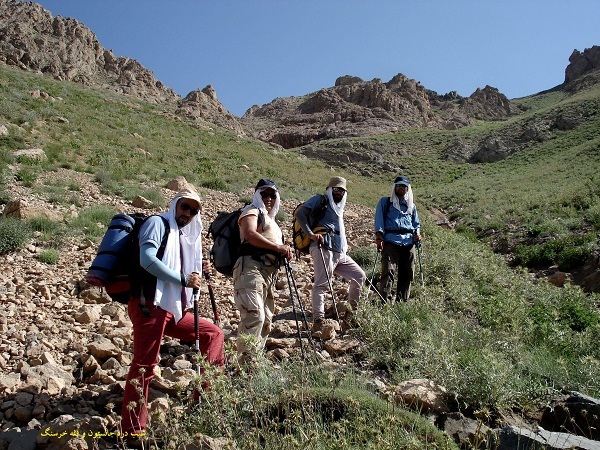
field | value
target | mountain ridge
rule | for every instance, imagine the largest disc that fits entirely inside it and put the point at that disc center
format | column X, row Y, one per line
column 66, row 49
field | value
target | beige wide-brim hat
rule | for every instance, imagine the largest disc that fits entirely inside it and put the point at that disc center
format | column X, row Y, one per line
column 189, row 194
column 337, row 182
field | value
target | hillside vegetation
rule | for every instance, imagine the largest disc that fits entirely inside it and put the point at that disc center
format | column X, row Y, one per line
column 500, row 342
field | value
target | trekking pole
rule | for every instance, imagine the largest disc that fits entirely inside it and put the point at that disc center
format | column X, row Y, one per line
column 196, row 325
column 373, row 273
column 211, row 293
column 376, row 290
column 287, row 271
column 420, row 265
column 329, row 281
column 290, row 272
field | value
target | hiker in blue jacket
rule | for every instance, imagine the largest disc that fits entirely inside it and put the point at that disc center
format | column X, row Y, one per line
column 397, row 230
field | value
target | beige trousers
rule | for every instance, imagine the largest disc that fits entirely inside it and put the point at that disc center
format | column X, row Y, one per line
column 253, row 284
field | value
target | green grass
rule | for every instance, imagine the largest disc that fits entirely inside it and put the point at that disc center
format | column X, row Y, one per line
column 92, row 221
column 300, row 406
column 49, row 256
column 478, row 329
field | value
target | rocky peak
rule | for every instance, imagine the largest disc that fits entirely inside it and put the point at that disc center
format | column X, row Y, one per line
column 203, row 105
column 348, row 79
column 488, row 104
column 582, row 63
column 354, row 107
column 31, row 39
column 68, row 50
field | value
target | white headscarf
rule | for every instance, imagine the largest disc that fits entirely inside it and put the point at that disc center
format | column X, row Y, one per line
column 408, row 198
column 168, row 295
column 338, row 208
column 258, row 203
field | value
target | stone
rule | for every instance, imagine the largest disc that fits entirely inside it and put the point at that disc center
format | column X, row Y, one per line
column 422, row 395
column 31, row 153
column 103, row 348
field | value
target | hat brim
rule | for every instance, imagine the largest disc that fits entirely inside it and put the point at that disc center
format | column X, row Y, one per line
column 191, row 195
column 267, row 186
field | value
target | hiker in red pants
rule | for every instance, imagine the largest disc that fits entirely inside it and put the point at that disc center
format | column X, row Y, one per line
column 167, row 294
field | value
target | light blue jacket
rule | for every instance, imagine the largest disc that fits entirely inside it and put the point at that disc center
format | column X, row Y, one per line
column 397, row 227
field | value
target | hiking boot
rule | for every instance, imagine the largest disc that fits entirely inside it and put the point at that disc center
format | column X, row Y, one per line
column 317, row 326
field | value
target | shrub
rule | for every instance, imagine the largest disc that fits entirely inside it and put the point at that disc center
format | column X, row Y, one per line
column 155, row 196
column 567, row 253
column 593, row 216
column 14, row 234
column 11, row 142
column 571, row 257
column 214, row 183
column 48, row 256
column 577, row 315
column 5, row 180
column 27, row 176
column 52, row 233
column 364, row 256
column 93, row 221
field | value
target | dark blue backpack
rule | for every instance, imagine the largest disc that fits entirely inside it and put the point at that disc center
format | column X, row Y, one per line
column 116, row 266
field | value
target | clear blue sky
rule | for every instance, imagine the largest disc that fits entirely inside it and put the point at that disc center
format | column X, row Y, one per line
column 253, row 51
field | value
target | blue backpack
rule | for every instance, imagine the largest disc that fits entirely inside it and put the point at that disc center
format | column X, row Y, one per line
column 116, row 267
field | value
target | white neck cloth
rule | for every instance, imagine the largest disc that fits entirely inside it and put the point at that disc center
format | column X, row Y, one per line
column 168, row 295
column 408, row 198
column 257, row 202
column 338, row 208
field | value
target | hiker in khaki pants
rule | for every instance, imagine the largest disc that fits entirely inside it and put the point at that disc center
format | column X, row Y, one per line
column 255, row 271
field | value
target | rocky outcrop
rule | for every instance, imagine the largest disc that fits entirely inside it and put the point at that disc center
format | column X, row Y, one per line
column 203, row 105
column 30, row 38
column 488, row 104
column 582, row 63
column 356, row 108
column 589, row 277
column 520, row 134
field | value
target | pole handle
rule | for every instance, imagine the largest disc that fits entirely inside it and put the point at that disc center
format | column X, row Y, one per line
column 195, row 290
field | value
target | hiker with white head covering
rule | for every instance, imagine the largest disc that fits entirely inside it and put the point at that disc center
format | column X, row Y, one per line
column 397, row 230
column 321, row 217
column 255, row 270
column 168, row 282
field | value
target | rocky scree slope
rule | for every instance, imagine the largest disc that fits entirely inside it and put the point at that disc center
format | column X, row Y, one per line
column 65, row 346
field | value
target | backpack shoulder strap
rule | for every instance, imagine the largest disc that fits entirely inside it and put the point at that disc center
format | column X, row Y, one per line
column 386, row 208
column 261, row 219
column 165, row 238
column 318, row 213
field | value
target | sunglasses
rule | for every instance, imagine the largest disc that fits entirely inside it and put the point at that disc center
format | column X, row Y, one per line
column 185, row 207
column 338, row 189
column 268, row 194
